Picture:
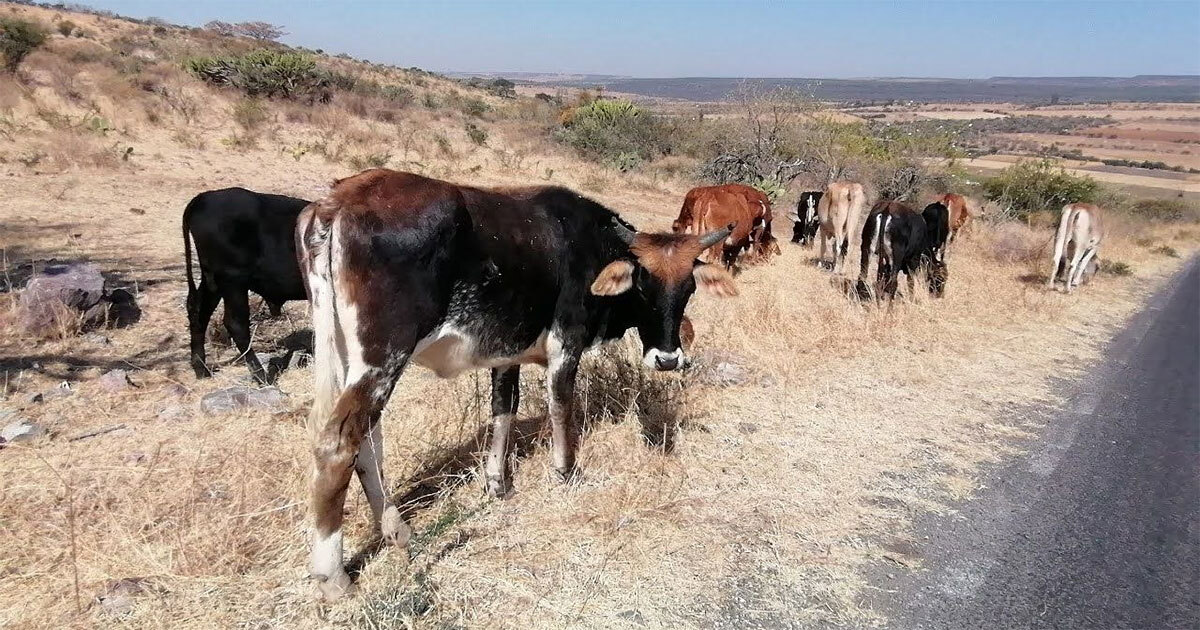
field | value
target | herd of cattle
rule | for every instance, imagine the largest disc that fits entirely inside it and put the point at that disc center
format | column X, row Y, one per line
column 401, row 268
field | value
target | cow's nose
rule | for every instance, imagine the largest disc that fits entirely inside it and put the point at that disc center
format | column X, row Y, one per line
column 666, row 362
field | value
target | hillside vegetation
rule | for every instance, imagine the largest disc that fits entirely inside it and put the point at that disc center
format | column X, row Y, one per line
column 756, row 488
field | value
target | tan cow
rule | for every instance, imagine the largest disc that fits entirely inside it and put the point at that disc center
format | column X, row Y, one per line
column 1080, row 231
column 838, row 213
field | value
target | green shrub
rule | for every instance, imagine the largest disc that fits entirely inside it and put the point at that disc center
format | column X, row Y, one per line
column 18, row 38
column 397, row 94
column 268, row 73
column 1166, row 250
column 476, row 107
column 1032, row 186
column 476, row 135
column 65, row 28
column 612, row 131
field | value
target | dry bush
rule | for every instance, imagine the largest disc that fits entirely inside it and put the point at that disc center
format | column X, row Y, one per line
column 1012, row 242
column 67, row 149
column 250, row 115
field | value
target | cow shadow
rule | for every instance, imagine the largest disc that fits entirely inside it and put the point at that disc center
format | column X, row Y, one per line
column 607, row 393
column 1033, row 279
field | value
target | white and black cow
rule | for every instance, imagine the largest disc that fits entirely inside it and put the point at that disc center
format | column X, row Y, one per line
column 405, row 269
column 806, row 223
column 903, row 241
column 244, row 242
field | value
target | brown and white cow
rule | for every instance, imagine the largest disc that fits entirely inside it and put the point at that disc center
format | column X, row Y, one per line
column 838, row 211
column 405, row 269
column 707, row 207
column 1080, row 230
column 962, row 211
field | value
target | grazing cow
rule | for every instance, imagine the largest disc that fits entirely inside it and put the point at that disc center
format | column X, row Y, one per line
column 804, row 231
column 708, row 207
column 937, row 234
column 838, row 212
column 1080, row 231
column 401, row 268
column 961, row 212
column 901, row 238
column 244, row 242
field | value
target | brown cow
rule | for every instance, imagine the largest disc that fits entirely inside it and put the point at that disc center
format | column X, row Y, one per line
column 1080, row 231
column 838, row 212
column 403, row 269
column 745, row 207
column 961, row 210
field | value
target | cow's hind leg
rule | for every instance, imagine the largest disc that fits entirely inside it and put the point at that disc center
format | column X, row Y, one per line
column 201, row 303
column 369, row 468
column 237, row 322
column 561, row 369
column 505, row 398
column 337, row 446
column 1074, row 270
column 1083, row 265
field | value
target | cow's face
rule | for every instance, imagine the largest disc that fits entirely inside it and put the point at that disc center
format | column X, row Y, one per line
column 660, row 279
column 938, row 274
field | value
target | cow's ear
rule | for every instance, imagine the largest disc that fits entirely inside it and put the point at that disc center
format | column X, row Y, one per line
column 614, row 279
column 715, row 280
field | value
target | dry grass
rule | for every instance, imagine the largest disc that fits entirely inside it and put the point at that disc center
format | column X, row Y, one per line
column 699, row 505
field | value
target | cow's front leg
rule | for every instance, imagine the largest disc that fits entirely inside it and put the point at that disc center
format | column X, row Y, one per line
column 563, row 364
column 505, row 398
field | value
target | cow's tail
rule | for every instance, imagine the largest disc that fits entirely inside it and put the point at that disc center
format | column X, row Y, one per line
column 187, row 244
column 316, row 242
column 870, row 231
column 1060, row 240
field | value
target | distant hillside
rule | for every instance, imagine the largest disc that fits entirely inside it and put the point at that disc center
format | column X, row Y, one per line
column 1145, row 88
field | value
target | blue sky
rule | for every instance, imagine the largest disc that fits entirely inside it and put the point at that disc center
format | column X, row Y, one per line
column 766, row 39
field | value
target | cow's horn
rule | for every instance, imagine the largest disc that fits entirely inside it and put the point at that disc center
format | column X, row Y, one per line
column 623, row 232
column 716, row 236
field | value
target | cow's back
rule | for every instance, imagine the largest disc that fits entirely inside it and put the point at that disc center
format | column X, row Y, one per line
column 248, row 236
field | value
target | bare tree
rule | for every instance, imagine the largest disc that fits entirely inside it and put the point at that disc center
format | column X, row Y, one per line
column 221, row 28
column 261, row 31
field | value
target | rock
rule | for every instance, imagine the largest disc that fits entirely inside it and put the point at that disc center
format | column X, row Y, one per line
column 176, row 390
column 59, row 292
column 115, row 381
column 62, row 391
column 35, row 398
column 133, row 458
column 18, row 430
column 118, row 595
column 240, row 398
column 724, row 374
column 747, row 427
column 97, row 339
column 172, row 413
column 68, row 295
column 122, row 309
column 633, row 616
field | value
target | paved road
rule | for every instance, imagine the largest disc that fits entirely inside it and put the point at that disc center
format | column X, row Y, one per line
column 1100, row 526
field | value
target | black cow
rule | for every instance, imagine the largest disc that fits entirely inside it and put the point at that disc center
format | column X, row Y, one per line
column 937, row 237
column 904, row 242
column 244, row 242
column 804, row 230
column 402, row 268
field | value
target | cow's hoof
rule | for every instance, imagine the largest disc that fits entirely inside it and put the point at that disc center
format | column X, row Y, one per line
column 331, row 589
column 566, row 475
column 498, row 487
column 393, row 528
column 201, row 369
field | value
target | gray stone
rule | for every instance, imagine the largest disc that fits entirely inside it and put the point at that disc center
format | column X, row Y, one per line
column 17, row 430
column 57, row 292
column 62, row 391
column 633, row 616
column 172, row 413
column 240, row 398
column 97, row 339
column 747, row 427
column 177, row 390
column 115, row 381
column 118, row 596
column 724, row 374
